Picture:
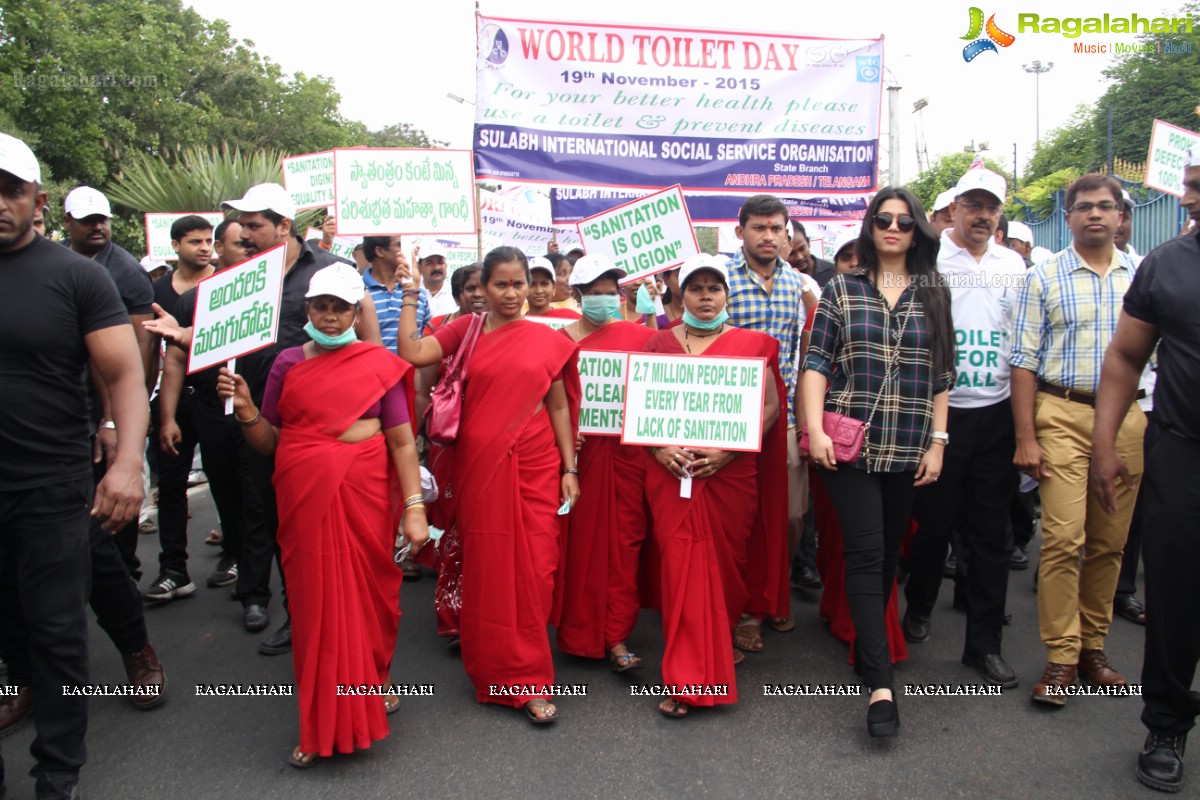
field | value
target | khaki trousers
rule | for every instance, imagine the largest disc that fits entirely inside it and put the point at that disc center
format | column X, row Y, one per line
column 1081, row 544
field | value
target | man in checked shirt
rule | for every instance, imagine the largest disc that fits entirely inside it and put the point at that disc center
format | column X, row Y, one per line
column 767, row 295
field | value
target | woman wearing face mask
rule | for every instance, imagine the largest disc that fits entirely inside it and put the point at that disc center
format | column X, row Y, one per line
column 702, row 539
column 598, row 604
column 542, row 286
column 336, row 414
column 515, row 452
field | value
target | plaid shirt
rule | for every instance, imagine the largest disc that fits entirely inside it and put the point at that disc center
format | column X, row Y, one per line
column 1065, row 317
column 387, row 308
column 853, row 337
column 779, row 314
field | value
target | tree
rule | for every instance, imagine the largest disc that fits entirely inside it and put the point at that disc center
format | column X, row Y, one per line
column 1073, row 146
column 944, row 172
column 401, row 135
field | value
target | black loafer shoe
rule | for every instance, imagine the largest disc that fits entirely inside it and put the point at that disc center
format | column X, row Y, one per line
column 807, row 578
column 1160, row 764
column 1019, row 559
column 279, row 642
column 256, row 618
column 993, row 668
column 883, row 719
column 916, row 629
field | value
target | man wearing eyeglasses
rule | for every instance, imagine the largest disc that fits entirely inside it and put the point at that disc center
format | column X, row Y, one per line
column 1065, row 318
column 977, row 477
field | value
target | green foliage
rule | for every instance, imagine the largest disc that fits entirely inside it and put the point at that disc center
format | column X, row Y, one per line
column 1039, row 195
column 1076, row 145
column 944, row 173
column 402, row 135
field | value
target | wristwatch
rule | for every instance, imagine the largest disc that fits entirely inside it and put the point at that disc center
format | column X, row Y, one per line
column 108, row 425
column 941, row 436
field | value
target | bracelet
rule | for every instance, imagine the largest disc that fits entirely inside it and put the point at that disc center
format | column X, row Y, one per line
column 416, row 499
column 414, row 506
column 571, row 471
column 249, row 422
column 108, row 425
column 411, row 292
column 938, row 441
column 409, row 305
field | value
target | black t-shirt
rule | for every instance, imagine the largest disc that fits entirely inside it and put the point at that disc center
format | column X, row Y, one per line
column 204, row 382
column 1166, row 292
column 165, row 296
column 132, row 281
column 56, row 298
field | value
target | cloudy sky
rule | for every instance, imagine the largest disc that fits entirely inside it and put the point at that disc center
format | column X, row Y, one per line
column 397, row 64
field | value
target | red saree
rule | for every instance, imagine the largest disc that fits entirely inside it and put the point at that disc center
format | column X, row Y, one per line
column 597, row 605
column 339, row 509
column 508, row 492
column 703, row 542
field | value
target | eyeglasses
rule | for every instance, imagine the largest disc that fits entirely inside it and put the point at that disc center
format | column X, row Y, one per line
column 884, row 221
column 974, row 207
column 1107, row 206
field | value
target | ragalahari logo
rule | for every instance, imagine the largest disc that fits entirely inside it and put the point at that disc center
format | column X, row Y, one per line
column 995, row 36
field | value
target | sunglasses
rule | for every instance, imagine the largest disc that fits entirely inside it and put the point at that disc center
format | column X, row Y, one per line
column 904, row 222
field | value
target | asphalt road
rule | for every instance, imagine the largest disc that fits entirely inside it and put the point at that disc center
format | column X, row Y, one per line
column 609, row 744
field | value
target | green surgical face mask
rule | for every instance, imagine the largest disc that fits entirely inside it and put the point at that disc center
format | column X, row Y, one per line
column 599, row 307
column 332, row 342
column 691, row 320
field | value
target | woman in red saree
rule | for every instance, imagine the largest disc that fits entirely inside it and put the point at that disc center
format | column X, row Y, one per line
column 703, row 541
column 542, row 286
column 516, row 438
column 597, row 607
column 336, row 413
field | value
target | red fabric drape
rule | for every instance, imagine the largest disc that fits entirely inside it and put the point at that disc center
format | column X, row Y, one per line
column 339, row 509
column 597, row 606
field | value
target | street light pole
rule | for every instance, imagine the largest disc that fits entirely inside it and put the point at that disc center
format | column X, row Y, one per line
column 1037, row 68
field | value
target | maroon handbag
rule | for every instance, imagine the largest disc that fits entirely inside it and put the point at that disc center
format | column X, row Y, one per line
column 444, row 415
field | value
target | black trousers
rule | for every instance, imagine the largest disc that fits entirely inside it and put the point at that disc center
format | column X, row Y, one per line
column 173, row 471
column 1127, row 578
column 1021, row 516
column 1171, row 553
column 259, row 548
column 229, row 466
column 873, row 509
column 976, row 487
column 115, row 597
column 44, row 576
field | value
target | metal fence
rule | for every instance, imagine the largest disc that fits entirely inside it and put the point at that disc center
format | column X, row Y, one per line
column 1157, row 217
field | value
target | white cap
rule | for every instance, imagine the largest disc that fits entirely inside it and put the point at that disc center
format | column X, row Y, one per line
column 703, row 261
column 1020, row 231
column 339, row 280
column 1192, row 159
column 1039, row 254
column 984, row 179
column 589, row 268
column 1128, row 199
column 539, row 262
column 848, row 236
column 150, row 264
column 18, row 159
column 265, row 197
column 944, row 200
column 434, row 250
column 84, row 201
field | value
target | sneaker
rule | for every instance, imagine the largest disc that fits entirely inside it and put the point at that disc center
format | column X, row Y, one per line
column 225, row 573
column 168, row 587
column 197, row 477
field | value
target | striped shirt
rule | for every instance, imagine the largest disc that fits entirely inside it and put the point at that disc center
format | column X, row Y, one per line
column 779, row 313
column 387, row 308
column 1065, row 317
column 853, row 339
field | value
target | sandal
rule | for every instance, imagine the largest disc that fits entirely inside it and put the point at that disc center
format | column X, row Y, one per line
column 1132, row 609
column 550, row 712
column 302, row 760
column 673, row 708
column 624, row 662
column 738, row 657
column 147, row 527
column 747, row 635
column 782, row 624
column 214, row 538
column 391, row 702
column 455, row 644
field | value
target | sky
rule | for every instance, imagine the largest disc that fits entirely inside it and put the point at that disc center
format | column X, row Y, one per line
column 398, row 63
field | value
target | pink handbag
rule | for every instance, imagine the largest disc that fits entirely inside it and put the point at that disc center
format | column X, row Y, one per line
column 847, row 434
column 444, row 415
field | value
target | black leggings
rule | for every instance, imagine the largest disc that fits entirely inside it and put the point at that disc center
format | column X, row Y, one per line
column 873, row 509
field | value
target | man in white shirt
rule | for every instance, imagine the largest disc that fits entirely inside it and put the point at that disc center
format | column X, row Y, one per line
column 978, row 477
column 434, row 274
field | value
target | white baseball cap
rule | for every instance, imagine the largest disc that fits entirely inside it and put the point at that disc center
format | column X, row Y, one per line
column 1192, row 159
column 703, row 261
column 1020, row 231
column 434, row 250
column 84, row 201
column 984, row 179
column 944, row 200
column 265, row 197
column 589, row 268
column 1128, row 199
column 18, row 159
column 339, row 280
column 846, row 237
column 150, row 264
column 542, row 263
column 1039, row 254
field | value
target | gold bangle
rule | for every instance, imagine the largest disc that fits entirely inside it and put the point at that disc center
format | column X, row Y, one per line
column 413, row 500
column 251, row 421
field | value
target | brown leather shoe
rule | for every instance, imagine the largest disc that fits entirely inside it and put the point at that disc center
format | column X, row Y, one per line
column 14, row 710
column 1094, row 666
column 146, row 673
column 1051, row 689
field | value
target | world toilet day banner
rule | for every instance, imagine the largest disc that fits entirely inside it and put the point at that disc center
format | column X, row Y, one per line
column 158, row 231
column 694, row 402
column 393, row 191
column 645, row 236
column 629, row 106
column 237, row 310
column 574, row 203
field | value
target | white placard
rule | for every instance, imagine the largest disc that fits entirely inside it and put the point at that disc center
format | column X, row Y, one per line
column 342, row 247
column 237, row 310
column 396, row 191
column 644, row 236
column 602, row 379
column 158, row 231
column 553, row 323
column 1169, row 145
column 309, row 179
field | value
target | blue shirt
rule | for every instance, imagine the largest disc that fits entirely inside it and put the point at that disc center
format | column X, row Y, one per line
column 387, row 308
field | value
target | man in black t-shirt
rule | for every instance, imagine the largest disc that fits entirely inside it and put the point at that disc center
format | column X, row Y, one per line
column 65, row 311
column 1160, row 310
